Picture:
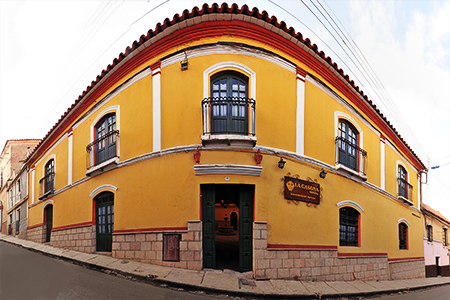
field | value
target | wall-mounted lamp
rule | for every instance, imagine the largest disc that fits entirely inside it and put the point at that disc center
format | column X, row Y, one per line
column 281, row 163
column 323, row 174
column 184, row 63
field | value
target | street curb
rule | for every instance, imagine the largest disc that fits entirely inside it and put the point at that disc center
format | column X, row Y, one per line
column 157, row 281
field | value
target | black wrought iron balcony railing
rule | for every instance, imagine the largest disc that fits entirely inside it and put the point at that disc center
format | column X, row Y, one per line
column 102, row 149
column 350, row 155
column 229, row 115
column 404, row 189
column 47, row 185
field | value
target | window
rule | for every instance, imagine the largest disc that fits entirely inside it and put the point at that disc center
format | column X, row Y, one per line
column 348, row 152
column 403, row 236
column 229, row 104
column 348, row 227
column 402, row 181
column 49, row 175
column 429, row 233
column 105, row 139
column 444, row 237
column 48, row 181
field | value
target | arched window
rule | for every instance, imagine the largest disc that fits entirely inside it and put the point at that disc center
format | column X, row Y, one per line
column 105, row 138
column 444, row 237
column 229, row 103
column 348, row 145
column 50, row 176
column 348, row 227
column 403, row 236
column 48, row 181
column 402, row 181
column 429, row 233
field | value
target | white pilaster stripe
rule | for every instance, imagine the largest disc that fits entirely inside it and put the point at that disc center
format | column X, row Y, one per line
column 156, row 93
column 32, row 185
column 300, row 147
column 70, row 158
column 382, row 165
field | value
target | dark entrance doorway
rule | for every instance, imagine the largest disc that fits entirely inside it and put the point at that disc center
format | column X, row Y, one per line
column 223, row 246
column 48, row 214
column 104, row 220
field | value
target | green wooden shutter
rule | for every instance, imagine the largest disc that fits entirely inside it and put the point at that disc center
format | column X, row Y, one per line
column 208, row 215
column 246, row 228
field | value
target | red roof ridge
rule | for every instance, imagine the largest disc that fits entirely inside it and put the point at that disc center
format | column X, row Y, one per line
column 434, row 212
column 233, row 9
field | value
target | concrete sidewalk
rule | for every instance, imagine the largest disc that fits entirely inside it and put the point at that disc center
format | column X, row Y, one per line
column 227, row 281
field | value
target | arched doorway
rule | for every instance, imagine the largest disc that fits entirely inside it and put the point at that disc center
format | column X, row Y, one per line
column 104, row 220
column 48, row 221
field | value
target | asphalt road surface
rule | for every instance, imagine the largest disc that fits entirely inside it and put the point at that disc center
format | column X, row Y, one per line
column 439, row 293
column 28, row 275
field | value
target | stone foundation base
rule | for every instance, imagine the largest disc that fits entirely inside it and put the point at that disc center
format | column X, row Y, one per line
column 148, row 247
column 312, row 264
column 79, row 239
column 23, row 229
column 407, row 269
column 36, row 234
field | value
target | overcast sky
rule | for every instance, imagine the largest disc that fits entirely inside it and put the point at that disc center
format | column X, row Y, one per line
column 50, row 51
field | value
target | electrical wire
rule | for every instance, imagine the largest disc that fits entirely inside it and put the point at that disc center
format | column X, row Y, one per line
column 101, row 55
column 372, row 79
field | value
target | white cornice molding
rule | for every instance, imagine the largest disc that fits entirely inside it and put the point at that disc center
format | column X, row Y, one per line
column 227, row 170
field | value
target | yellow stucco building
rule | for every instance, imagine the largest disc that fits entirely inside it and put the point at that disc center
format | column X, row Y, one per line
column 223, row 139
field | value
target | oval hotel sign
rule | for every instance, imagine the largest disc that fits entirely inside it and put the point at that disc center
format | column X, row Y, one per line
column 301, row 190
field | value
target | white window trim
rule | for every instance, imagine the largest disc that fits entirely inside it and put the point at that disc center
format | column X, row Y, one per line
column 110, row 109
column 352, row 204
column 104, row 187
column 226, row 65
column 402, row 220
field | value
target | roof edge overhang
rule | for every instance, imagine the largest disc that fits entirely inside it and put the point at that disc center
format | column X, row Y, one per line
column 150, row 45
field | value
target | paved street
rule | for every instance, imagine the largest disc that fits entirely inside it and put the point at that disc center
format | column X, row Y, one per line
column 28, row 275
column 439, row 293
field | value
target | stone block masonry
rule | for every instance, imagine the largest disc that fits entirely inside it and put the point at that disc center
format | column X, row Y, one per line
column 148, row 247
column 407, row 269
column 79, row 238
column 312, row 264
column 36, row 234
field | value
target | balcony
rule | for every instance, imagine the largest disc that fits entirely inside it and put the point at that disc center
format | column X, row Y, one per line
column 404, row 191
column 47, row 185
column 13, row 199
column 229, row 121
column 350, row 158
column 102, row 154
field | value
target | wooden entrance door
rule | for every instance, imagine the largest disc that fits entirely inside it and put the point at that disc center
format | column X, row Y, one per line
column 245, row 227
column 208, row 220
column 48, row 222
column 104, row 219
